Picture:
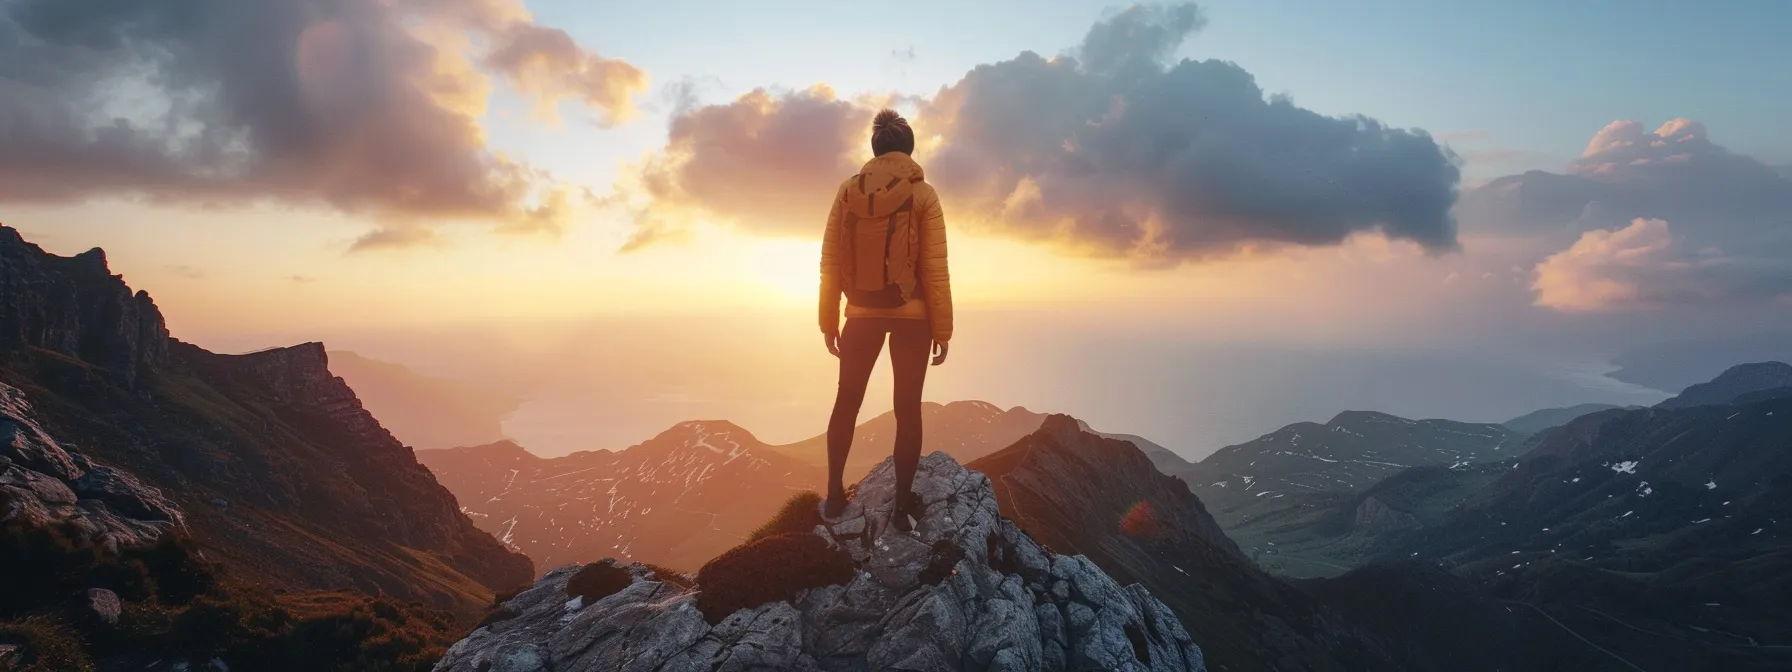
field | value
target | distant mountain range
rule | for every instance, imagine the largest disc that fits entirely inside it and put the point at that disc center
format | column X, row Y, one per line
column 1663, row 531
column 676, row 500
column 680, row 498
column 1681, row 564
column 424, row 412
column 966, row 430
column 1278, row 482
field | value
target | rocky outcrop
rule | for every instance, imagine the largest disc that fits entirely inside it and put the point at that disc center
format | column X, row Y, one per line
column 42, row 484
column 76, row 306
column 1374, row 515
column 966, row 590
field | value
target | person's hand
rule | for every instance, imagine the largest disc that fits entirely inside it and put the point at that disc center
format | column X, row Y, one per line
column 939, row 353
column 833, row 343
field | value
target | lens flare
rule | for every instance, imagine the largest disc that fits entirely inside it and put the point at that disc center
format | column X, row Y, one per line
column 1141, row 522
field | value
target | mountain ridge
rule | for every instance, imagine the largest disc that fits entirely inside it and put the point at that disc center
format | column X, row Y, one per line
column 280, row 470
column 1536, row 422
column 1733, row 382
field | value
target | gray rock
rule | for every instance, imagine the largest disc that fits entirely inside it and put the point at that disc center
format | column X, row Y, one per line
column 1005, row 604
column 45, row 485
column 520, row 658
column 125, row 494
column 104, row 604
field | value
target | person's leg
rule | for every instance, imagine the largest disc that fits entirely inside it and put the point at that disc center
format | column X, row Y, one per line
column 860, row 343
column 910, row 344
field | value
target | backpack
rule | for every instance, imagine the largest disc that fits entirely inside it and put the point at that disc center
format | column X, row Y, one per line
column 881, row 239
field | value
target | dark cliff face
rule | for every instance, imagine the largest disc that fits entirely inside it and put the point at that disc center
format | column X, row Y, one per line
column 283, row 474
column 76, row 307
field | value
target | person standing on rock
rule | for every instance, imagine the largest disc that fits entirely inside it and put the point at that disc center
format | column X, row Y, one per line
column 885, row 251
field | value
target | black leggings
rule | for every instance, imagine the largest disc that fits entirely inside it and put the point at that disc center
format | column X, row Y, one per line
column 860, row 342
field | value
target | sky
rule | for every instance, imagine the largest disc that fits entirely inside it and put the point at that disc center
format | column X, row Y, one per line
column 1191, row 222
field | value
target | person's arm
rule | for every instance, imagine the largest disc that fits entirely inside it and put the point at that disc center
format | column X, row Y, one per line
column 934, row 272
column 830, row 276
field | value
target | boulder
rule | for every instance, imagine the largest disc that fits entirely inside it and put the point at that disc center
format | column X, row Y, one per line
column 965, row 590
column 104, row 605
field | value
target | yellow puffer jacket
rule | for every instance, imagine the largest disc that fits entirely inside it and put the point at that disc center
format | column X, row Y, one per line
column 931, row 296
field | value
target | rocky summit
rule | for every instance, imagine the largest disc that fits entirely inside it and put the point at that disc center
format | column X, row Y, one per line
column 965, row 590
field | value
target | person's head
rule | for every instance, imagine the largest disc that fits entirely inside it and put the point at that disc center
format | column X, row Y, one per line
column 890, row 133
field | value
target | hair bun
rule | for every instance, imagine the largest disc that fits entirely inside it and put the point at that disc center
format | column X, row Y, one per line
column 887, row 118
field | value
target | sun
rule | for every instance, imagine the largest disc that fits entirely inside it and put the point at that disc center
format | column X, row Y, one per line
column 783, row 270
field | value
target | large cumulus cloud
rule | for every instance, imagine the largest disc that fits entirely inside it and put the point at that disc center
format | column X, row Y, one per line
column 766, row 159
column 1112, row 150
column 1647, row 219
column 365, row 106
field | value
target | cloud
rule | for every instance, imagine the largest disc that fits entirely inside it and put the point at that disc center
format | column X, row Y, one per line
column 1646, row 218
column 548, row 66
column 188, row 272
column 1626, row 172
column 1645, row 265
column 903, row 55
column 769, row 161
column 393, row 238
column 301, row 279
column 1114, row 152
column 361, row 106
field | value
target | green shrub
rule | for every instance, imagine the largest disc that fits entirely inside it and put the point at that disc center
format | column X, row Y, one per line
column 770, row 569
column 48, row 645
column 801, row 513
column 598, row 580
column 178, row 606
column 309, row 631
column 40, row 566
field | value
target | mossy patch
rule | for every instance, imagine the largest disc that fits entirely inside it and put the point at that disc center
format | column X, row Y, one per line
column 770, row 569
column 598, row 580
column 800, row 514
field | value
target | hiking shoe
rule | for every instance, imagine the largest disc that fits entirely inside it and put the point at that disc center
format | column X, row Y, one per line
column 907, row 507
